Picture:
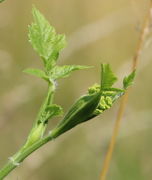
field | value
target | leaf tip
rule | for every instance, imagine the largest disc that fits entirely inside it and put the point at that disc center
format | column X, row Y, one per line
column 128, row 80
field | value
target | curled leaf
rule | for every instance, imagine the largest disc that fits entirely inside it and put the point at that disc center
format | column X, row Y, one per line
column 78, row 113
column 53, row 110
column 50, row 112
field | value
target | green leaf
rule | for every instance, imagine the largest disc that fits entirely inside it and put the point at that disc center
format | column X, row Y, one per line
column 53, row 110
column 114, row 89
column 37, row 72
column 80, row 112
column 107, row 76
column 64, row 71
column 128, row 80
column 45, row 40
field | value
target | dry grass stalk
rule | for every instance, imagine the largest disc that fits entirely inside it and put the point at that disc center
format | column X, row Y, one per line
column 123, row 103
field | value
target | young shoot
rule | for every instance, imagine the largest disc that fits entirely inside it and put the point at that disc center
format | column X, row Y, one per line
column 100, row 97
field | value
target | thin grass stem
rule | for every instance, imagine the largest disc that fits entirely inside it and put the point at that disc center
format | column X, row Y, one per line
column 123, row 103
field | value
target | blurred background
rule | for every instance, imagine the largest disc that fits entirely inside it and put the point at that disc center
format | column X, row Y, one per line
column 98, row 31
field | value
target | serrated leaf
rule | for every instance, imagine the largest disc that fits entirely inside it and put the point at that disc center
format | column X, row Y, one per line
column 107, row 76
column 64, row 71
column 36, row 72
column 53, row 110
column 44, row 39
column 128, row 80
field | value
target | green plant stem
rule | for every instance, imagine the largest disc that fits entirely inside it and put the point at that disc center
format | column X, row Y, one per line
column 15, row 160
column 48, row 100
column 28, row 148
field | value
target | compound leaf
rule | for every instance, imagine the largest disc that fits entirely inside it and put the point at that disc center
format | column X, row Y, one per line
column 45, row 40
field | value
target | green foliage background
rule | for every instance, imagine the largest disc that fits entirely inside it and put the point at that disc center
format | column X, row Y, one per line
column 97, row 31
